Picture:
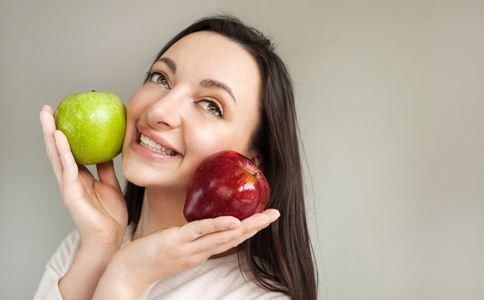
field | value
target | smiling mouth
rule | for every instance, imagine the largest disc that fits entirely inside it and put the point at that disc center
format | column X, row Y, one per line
column 152, row 146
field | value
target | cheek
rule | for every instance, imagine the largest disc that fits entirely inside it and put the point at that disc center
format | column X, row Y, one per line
column 204, row 142
column 131, row 116
column 141, row 99
column 135, row 105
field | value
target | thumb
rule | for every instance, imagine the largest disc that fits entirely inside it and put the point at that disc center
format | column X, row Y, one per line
column 107, row 175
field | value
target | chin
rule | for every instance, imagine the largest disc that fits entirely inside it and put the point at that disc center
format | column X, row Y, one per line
column 144, row 176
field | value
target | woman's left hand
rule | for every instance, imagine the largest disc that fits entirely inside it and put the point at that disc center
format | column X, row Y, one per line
column 166, row 252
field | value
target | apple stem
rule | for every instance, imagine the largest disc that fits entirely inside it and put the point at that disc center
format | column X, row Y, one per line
column 93, row 91
column 250, row 171
column 253, row 174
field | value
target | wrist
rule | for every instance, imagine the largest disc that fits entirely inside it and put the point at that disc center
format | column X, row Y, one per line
column 117, row 282
column 101, row 246
column 96, row 255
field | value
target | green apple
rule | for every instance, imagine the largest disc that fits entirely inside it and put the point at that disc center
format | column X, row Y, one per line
column 94, row 124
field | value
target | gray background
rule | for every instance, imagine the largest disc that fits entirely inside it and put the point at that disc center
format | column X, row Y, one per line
column 390, row 98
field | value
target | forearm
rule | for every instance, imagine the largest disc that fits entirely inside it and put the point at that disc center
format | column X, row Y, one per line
column 83, row 276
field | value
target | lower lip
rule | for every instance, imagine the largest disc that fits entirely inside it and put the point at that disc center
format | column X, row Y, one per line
column 137, row 148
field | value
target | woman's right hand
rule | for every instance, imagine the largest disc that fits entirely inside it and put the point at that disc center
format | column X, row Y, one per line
column 97, row 207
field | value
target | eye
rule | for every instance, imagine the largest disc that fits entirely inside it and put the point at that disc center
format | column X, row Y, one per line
column 213, row 108
column 158, row 78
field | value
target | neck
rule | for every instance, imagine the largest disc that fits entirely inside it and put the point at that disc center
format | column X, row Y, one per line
column 161, row 209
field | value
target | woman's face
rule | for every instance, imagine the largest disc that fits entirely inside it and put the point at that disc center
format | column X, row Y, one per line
column 202, row 97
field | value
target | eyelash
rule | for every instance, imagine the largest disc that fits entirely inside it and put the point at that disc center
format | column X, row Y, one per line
column 219, row 113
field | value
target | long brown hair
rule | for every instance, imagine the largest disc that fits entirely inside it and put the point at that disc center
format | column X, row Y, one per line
column 280, row 257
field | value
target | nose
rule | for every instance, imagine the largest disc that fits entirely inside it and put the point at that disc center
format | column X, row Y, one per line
column 165, row 112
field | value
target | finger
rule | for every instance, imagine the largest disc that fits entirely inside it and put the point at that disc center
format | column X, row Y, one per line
column 208, row 243
column 236, row 242
column 239, row 240
column 86, row 179
column 48, row 128
column 258, row 221
column 272, row 214
column 196, row 229
column 107, row 175
column 48, row 108
column 70, row 170
column 231, row 238
column 220, row 248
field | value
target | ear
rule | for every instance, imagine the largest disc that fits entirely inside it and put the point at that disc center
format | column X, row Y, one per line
column 256, row 157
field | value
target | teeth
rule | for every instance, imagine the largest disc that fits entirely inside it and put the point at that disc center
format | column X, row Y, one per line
column 155, row 147
column 149, row 142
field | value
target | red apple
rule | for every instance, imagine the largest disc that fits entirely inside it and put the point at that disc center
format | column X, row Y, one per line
column 226, row 184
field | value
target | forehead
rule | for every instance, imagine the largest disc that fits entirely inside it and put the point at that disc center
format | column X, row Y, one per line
column 208, row 55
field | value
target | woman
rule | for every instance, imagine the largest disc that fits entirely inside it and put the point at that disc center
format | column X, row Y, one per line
column 216, row 85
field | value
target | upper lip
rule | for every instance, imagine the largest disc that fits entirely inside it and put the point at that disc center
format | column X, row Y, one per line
column 158, row 139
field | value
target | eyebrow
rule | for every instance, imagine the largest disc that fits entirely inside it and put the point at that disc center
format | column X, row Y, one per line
column 170, row 63
column 203, row 83
column 214, row 83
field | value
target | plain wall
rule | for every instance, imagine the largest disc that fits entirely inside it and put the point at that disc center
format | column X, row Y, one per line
column 390, row 100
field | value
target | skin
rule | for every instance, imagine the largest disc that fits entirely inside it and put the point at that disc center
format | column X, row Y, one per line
column 174, row 108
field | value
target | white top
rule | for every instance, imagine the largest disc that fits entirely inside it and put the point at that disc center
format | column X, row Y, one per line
column 217, row 278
